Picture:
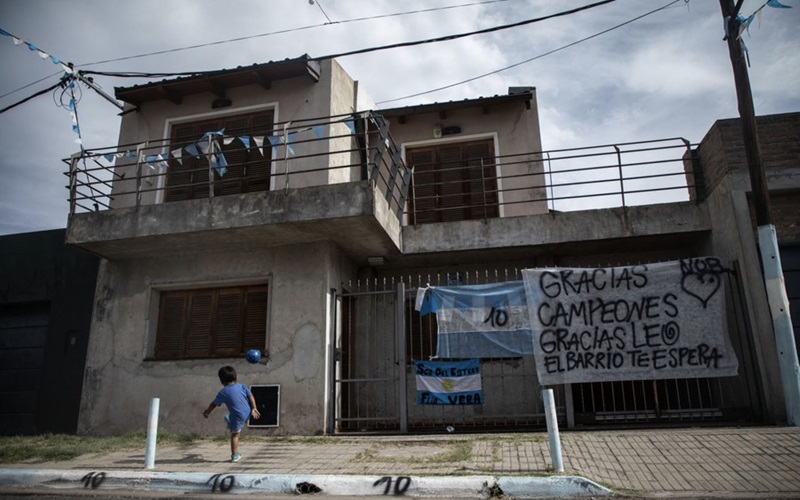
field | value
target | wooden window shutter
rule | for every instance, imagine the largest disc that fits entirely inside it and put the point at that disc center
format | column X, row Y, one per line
column 212, row 322
column 257, row 170
column 424, row 185
column 179, row 173
column 247, row 171
column 172, row 317
column 454, row 198
column 228, row 326
column 255, row 319
column 458, row 182
column 236, row 156
column 198, row 334
column 482, row 178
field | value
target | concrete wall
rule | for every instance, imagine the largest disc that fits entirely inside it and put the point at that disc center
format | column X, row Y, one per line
column 122, row 376
column 515, row 131
column 342, row 98
column 734, row 236
column 722, row 149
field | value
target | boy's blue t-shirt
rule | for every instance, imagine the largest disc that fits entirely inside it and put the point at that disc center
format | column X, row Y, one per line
column 236, row 398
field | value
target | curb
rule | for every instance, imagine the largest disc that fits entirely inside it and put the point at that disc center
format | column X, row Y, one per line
column 333, row 485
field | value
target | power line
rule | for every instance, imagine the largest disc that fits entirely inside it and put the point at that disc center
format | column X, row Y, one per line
column 321, row 10
column 447, row 38
column 290, row 30
column 32, row 83
column 37, row 94
column 373, row 49
column 532, row 58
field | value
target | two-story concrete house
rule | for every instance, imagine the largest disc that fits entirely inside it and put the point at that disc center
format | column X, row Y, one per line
column 272, row 207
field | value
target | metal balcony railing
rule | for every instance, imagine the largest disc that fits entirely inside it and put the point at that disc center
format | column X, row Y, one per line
column 349, row 148
column 301, row 153
column 587, row 178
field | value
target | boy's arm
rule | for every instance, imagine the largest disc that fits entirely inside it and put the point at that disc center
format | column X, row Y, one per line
column 209, row 409
column 253, row 410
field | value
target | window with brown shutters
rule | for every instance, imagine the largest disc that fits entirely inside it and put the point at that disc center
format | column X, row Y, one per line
column 452, row 182
column 248, row 169
column 211, row 322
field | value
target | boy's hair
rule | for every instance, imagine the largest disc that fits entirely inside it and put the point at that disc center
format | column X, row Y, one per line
column 227, row 374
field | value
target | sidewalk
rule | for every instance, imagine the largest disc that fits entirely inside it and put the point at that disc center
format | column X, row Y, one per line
column 731, row 462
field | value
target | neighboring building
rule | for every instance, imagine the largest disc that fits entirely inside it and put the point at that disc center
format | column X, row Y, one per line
column 46, row 299
column 271, row 207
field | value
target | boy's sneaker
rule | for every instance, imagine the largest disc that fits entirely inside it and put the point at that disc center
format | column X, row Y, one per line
column 236, row 458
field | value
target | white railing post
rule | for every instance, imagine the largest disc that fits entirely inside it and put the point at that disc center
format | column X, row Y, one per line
column 152, row 434
column 552, row 430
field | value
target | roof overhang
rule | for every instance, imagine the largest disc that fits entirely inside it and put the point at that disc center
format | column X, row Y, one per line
column 217, row 82
column 439, row 107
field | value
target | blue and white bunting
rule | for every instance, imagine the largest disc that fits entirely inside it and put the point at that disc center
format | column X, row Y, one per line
column 259, row 144
column 274, row 140
column 178, row 155
column 449, row 382
column 219, row 162
column 193, row 150
column 776, row 4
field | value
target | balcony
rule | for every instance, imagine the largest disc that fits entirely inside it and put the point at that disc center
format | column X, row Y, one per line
column 338, row 179
column 596, row 199
column 342, row 179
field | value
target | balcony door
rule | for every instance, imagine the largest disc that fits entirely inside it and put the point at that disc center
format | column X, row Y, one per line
column 453, row 182
column 248, row 170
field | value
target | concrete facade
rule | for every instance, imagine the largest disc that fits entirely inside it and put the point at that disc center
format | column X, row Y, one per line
column 308, row 240
column 513, row 128
column 122, row 376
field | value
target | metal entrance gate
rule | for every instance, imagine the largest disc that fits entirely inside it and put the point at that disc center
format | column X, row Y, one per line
column 380, row 334
column 368, row 380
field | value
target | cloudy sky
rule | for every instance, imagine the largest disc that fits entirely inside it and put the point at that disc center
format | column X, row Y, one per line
column 667, row 74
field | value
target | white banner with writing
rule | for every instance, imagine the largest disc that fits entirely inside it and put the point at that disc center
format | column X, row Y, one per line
column 642, row 322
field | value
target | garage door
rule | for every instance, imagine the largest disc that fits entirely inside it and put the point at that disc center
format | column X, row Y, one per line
column 23, row 331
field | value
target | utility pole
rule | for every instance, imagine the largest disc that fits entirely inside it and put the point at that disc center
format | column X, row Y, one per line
column 767, row 240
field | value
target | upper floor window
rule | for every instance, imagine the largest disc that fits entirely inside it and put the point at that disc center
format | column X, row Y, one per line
column 248, row 169
column 211, row 322
column 454, row 181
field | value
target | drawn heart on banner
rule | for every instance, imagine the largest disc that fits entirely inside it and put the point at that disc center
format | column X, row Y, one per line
column 701, row 286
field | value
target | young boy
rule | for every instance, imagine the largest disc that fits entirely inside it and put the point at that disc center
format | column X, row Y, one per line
column 240, row 403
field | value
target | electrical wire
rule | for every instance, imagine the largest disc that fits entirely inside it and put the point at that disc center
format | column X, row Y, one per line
column 290, row 30
column 32, row 83
column 532, row 58
column 37, row 94
column 322, row 10
column 368, row 49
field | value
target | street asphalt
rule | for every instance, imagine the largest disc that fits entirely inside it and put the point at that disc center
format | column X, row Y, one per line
column 747, row 462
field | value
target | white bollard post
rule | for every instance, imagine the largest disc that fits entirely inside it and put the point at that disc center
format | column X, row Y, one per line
column 152, row 433
column 552, row 430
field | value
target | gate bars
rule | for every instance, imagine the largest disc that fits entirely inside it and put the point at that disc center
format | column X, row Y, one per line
column 379, row 334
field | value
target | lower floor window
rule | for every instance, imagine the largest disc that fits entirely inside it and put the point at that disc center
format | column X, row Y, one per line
column 211, row 322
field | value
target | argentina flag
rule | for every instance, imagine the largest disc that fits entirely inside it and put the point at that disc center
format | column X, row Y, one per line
column 449, row 382
column 479, row 321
